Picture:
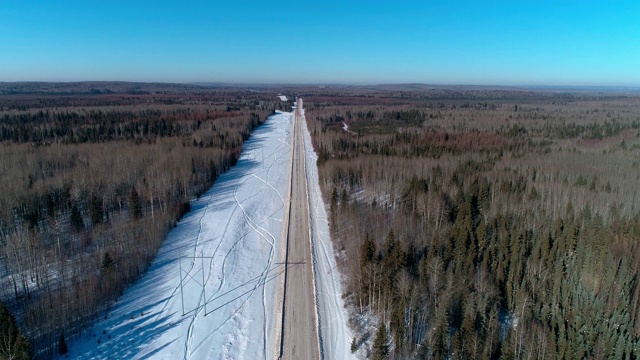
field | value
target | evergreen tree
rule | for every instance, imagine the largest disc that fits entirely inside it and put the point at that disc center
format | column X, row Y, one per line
column 381, row 344
column 463, row 232
column 107, row 262
column 334, row 199
column 13, row 345
column 135, row 204
column 213, row 171
column 394, row 257
column 95, row 210
column 392, row 261
column 368, row 254
column 344, row 198
column 77, row 224
column 62, row 345
column 481, row 238
column 367, row 250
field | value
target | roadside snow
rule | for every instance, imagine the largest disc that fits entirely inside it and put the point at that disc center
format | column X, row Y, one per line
column 237, row 227
column 335, row 335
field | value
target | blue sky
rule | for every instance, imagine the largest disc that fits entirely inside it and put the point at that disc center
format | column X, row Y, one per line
column 362, row 42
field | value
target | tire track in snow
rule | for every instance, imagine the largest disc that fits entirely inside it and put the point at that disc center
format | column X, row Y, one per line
column 197, row 242
column 257, row 228
column 264, row 275
column 195, row 247
column 189, row 338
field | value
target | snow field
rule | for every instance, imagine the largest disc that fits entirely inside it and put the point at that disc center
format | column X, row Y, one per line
column 231, row 240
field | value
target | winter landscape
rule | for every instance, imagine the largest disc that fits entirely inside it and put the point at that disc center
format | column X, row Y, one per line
column 319, row 180
column 235, row 230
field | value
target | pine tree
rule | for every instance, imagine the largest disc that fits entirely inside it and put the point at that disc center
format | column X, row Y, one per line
column 22, row 348
column 506, row 347
column 393, row 255
column 481, row 236
column 381, row 344
column 463, row 232
column 354, row 345
column 334, row 199
column 95, row 210
column 135, row 204
column 392, row 261
column 13, row 345
column 213, row 171
column 77, row 224
column 344, row 198
column 367, row 250
column 62, row 345
column 107, row 262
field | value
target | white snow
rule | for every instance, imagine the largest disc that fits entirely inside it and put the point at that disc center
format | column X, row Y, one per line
column 345, row 127
column 232, row 239
column 283, row 98
column 238, row 223
column 334, row 332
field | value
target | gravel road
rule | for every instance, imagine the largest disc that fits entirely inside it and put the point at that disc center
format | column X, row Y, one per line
column 300, row 326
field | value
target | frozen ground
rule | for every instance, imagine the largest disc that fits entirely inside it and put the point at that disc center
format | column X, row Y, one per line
column 232, row 239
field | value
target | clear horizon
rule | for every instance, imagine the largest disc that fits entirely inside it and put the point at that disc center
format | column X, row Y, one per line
column 585, row 43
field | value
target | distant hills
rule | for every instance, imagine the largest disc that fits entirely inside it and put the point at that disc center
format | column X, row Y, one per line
column 123, row 87
column 95, row 87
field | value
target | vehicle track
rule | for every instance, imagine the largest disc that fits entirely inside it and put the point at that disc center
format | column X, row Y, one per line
column 199, row 307
column 255, row 227
column 195, row 249
column 258, row 229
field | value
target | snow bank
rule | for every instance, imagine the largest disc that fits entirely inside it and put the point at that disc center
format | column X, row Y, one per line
column 334, row 332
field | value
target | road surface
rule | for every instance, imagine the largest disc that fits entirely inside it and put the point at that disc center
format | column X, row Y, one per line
column 300, row 337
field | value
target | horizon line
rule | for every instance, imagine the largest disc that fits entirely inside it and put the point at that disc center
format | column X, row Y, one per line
column 320, row 84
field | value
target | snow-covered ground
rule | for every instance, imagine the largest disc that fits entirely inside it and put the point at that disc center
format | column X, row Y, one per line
column 335, row 335
column 238, row 224
column 232, row 242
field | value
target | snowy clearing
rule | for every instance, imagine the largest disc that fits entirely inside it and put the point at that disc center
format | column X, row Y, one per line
column 238, row 223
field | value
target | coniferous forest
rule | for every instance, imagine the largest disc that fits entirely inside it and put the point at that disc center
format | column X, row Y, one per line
column 484, row 224
column 91, row 184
